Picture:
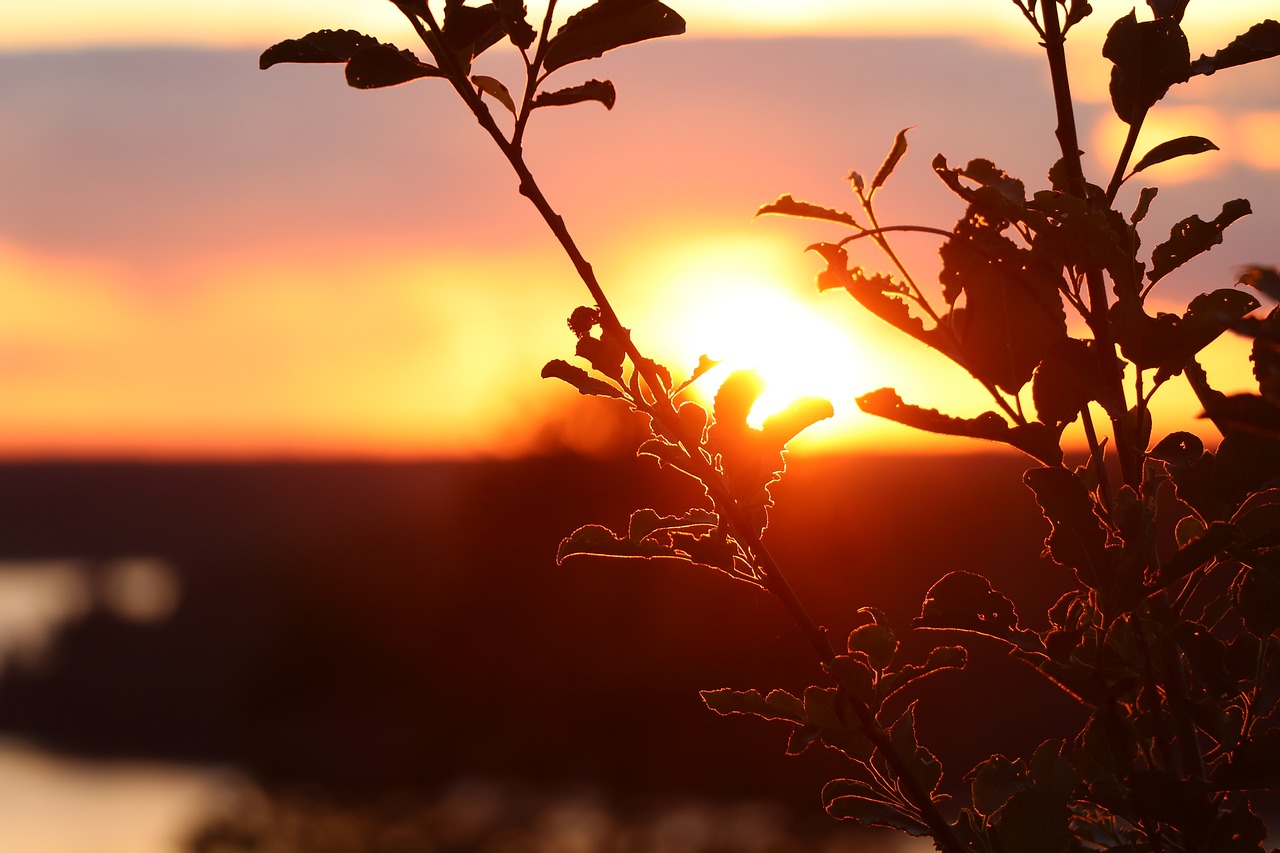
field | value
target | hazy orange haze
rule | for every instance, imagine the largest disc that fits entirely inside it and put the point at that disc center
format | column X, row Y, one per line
column 200, row 258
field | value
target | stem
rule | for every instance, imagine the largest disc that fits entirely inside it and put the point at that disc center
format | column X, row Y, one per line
column 1096, row 316
column 772, row 577
column 1126, row 153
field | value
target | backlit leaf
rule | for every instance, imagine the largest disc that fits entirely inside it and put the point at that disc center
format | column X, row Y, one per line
column 579, row 378
column 1262, row 41
column 1180, row 147
column 967, row 602
column 994, row 781
column 1191, row 237
column 778, row 705
column 1077, row 538
column 608, row 24
column 788, row 206
column 1035, row 819
column 1036, row 440
column 322, row 46
column 496, row 89
column 515, row 23
column 873, row 812
column 780, row 427
column 592, row 90
column 890, row 161
column 381, row 65
column 1148, row 57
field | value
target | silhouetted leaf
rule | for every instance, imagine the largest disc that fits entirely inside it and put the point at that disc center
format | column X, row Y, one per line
column 1145, row 197
column 594, row 540
column 868, row 811
column 737, row 394
column 1197, row 552
column 578, row 378
column 1149, row 57
column 646, row 522
column 879, row 294
column 592, row 90
column 1178, row 448
column 779, row 428
column 778, row 705
column 876, row 641
column 322, row 46
column 1180, row 147
column 515, row 23
column 1013, row 311
column 1191, row 237
column 939, row 659
column 890, row 161
column 1207, row 317
column 1035, row 819
column 994, row 781
column 1265, row 279
column 1078, row 538
column 964, row 601
column 1262, row 41
column 471, row 30
column 854, row 676
column 1036, row 440
column 834, row 725
column 788, row 206
column 496, row 89
column 381, row 65
column 1068, row 378
column 705, row 364
column 607, row 24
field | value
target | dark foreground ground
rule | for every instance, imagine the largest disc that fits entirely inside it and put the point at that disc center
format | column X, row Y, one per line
column 372, row 626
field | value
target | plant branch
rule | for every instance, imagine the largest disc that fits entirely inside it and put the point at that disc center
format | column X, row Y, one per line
column 1097, row 316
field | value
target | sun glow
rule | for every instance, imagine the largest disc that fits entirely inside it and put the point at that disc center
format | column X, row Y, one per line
column 736, row 305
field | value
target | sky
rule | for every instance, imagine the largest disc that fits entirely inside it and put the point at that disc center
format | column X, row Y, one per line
column 201, row 259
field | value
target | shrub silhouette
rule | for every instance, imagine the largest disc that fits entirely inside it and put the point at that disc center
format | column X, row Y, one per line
column 1174, row 650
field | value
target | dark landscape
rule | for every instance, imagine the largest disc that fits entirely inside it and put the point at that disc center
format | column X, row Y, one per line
column 362, row 627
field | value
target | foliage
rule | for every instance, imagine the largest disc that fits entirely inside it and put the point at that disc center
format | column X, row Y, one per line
column 1043, row 297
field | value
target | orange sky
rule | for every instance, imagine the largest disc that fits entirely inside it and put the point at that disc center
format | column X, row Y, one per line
column 197, row 258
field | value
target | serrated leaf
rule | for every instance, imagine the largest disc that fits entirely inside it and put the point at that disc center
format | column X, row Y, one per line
column 1036, row 440
column 967, row 602
column 1012, row 309
column 890, row 161
column 1145, row 197
column 496, row 89
column 1148, row 57
column 705, row 364
column 994, row 781
column 1077, row 537
column 1261, row 41
column 1193, row 236
column 380, row 65
column 788, row 206
column 1069, row 377
column 646, row 522
column 579, row 378
column 592, row 90
column 471, row 30
column 515, row 23
column 778, row 705
column 595, row 540
column 609, row 24
column 872, row 812
column 1183, row 146
column 876, row 641
column 939, row 659
column 321, row 46
column 1197, row 546
column 1036, row 819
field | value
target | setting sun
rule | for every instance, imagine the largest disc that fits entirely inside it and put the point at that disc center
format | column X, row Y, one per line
column 742, row 305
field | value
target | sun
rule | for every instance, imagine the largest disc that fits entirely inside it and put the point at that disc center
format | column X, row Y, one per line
column 750, row 307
